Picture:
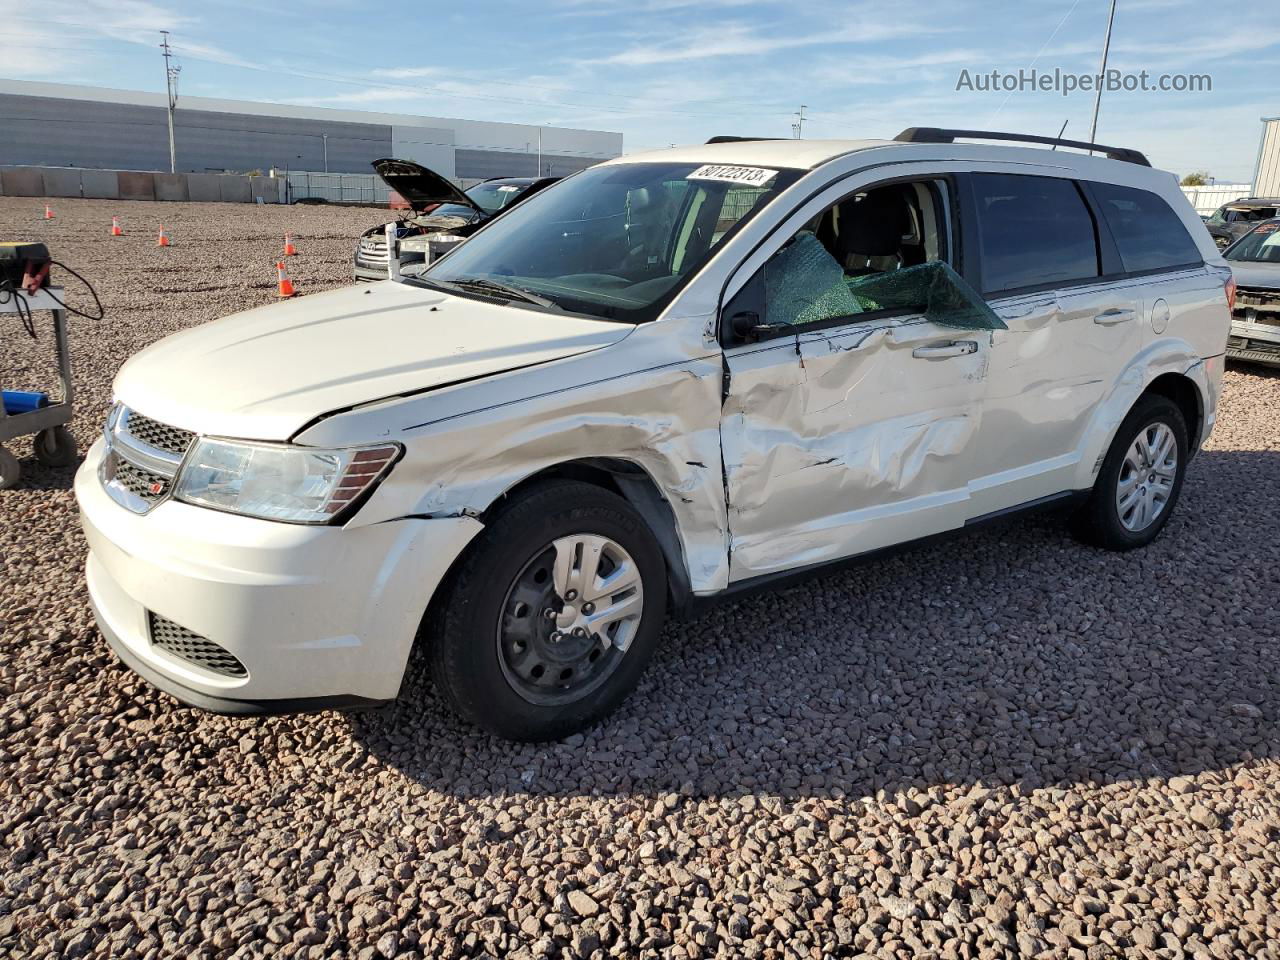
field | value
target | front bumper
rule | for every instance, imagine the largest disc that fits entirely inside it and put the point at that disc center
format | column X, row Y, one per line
column 319, row 616
column 1254, row 342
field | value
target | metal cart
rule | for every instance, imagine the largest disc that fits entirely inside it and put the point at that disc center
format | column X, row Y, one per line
column 54, row 445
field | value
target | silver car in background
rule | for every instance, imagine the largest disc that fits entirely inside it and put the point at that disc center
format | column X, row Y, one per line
column 1255, row 315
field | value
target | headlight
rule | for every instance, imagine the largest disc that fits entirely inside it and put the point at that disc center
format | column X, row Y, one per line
column 414, row 245
column 280, row 482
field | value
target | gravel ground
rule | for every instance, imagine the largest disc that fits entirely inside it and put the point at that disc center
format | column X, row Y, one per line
column 1007, row 745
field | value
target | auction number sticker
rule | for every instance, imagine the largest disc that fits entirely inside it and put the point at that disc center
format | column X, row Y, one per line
column 747, row 176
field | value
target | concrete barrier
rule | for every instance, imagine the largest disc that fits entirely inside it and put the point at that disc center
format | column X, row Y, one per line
column 61, row 183
column 235, row 190
column 267, row 188
column 22, row 182
column 136, row 186
column 99, row 184
column 171, row 186
column 203, row 187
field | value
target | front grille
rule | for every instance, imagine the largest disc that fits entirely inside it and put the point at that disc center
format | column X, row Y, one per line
column 158, row 435
column 141, row 483
column 182, row 643
column 372, row 251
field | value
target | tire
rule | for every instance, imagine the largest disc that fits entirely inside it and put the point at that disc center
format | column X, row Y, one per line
column 55, row 447
column 10, row 470
column 1101, row 522
column 496, row 656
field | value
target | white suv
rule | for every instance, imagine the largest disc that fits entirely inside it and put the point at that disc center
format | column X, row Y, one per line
column 667, row 378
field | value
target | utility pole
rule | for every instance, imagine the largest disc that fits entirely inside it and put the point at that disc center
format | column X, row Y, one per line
column 171, row 86
column 1097, row 97
column 539, row 151
column 798, row 126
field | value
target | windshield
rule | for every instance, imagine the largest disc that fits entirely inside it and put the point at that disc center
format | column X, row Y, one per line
column 1261, row 245
column 492, row 197
column 614, row 241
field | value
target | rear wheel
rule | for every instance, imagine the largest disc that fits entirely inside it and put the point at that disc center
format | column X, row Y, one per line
column 1140, row 480
column 553, row 614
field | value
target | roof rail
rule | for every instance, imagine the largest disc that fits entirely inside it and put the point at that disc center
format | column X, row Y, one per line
column 937, row 135
column 740, row 139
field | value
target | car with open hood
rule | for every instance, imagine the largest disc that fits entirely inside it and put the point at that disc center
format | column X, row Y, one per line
column 1255, row 320
column 668, row 379
column 440, row 215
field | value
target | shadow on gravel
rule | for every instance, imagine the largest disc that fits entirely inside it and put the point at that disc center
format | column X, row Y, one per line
column 36, row 476
column 1014, row 656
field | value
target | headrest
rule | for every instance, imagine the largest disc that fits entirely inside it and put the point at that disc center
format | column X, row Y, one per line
column 875, row 225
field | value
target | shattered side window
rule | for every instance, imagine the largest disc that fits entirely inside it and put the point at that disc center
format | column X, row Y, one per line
column 803, row 284
column 933, row 289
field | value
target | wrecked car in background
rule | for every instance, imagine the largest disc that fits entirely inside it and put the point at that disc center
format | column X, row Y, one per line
column 1233, row 220
column 1255, row 320
column 669, row 378
column 442, row 215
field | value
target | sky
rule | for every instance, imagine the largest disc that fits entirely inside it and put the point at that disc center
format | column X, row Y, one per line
column 679, row 71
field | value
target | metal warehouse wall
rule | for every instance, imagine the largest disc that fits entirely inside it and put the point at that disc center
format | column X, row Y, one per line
column 49, row 124
column 80, row 133
column 1266, row 181
column 483, row 164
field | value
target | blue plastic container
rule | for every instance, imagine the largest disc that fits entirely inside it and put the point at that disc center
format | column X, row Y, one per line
column 23, row 401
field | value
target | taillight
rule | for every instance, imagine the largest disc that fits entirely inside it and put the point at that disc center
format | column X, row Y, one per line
column 1230, row 287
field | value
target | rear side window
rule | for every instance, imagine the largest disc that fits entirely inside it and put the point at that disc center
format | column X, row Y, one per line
column 1147, row 231
column 1034, row 231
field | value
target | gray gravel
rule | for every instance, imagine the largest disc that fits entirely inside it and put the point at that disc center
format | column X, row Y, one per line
column 1008, row 745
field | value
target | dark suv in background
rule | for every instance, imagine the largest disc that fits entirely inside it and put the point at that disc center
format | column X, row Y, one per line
column 441, row 214
column 1233, row 220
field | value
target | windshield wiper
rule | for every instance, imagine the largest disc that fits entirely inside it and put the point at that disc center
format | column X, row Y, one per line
column 485, row 285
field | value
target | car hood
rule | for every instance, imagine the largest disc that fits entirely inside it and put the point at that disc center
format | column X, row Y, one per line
column 265, row 373
column 1266, row 275
column 419, row 186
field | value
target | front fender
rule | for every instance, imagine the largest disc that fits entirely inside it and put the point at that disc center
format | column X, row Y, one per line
column 665, row 421
column 1164, row 356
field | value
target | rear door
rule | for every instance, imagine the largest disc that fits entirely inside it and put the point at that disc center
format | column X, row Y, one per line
column 1072, row 331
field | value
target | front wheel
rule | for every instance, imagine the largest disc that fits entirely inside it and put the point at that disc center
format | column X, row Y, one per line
column 1140, row 480
column 552, row 616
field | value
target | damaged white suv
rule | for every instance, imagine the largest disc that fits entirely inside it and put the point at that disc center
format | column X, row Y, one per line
column 667, row 378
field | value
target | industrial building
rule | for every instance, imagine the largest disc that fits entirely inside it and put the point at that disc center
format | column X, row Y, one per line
column 1266, row 176
column 61, row 125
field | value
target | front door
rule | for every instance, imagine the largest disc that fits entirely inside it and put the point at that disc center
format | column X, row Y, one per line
column 848, row 439
column 849, row 424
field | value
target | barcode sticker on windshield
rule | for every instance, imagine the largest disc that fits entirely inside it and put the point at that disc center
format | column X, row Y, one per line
column 508, row 188
column 747, row 176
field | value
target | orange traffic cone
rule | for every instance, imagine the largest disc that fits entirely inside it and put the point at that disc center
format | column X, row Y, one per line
column 115, row 227
column 286, row 285
column 289, row 249
column 163, row 239
column 48, row 212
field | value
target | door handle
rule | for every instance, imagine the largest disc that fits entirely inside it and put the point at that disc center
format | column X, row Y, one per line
column 940, row 351
column 1109, row 317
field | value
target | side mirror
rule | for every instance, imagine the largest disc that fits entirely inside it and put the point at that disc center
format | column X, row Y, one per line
column 746, row 326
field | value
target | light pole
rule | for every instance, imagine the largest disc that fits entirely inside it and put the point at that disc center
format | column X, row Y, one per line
column 798, row 126
column 171, row 87
column 1097, row 97
column 539, row 173
column 325, row 137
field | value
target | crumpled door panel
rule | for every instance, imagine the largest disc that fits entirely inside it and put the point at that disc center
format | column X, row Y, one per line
column 844, row 441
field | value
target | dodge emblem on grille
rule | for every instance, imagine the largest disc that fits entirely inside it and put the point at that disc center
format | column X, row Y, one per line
column 156, row 489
